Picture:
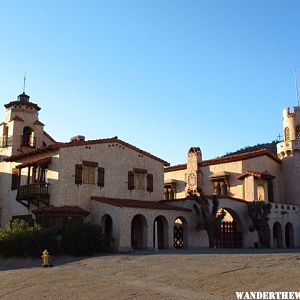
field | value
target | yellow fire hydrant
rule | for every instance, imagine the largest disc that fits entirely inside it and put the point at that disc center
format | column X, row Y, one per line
column 45, row 257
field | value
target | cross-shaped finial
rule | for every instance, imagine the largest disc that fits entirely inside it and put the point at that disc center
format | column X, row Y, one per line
column 279, row 137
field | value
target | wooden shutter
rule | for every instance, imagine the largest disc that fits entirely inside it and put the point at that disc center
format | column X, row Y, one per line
column 78, row 174
column 150, row 183
column 130, row 180
column 100, row 177
column 14, row 179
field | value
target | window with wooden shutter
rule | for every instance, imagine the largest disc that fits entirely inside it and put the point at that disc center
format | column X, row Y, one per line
column 100, row 177
column 130, row 180
column 150, row 183
column 88, row 175
column 14, row 179
column 78, row 174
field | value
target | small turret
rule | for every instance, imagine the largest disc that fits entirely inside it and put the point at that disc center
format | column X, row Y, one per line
column 291, row 133
column 23, row 97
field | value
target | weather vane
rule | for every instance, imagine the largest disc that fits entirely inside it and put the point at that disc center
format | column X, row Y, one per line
column 296, row 87
column 24, row 83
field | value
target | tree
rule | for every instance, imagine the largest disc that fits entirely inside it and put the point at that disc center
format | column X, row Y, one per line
column 209, row 220
column 258, row 212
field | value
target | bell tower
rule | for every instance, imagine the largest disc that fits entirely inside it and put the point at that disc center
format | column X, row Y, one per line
column 21, row 130
column 291, row 133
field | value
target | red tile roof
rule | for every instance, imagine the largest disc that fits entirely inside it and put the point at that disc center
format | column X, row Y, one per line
column 242, row 156
column 176, row 168
column 17, row 118
column 138, row 204
column 49, row 137
column 229, row 158
column 18, row 103
column 115, row 141
column 258, row 175
column 73, row 210
column 39, row 162
column 37, row 122
column 208, row 197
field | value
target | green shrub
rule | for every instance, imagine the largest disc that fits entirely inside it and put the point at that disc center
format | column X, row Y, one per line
column 18, row 239
column 82, row 239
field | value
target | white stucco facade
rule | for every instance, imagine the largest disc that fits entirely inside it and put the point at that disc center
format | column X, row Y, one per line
column 137, row 198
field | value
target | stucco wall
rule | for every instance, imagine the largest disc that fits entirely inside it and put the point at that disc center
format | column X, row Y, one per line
column 117, row 160
column 291, row 178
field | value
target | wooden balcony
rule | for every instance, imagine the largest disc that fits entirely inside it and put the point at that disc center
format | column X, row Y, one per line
column 36, row 194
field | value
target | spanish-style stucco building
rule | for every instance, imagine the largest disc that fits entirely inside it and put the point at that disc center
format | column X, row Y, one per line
column 138, row 199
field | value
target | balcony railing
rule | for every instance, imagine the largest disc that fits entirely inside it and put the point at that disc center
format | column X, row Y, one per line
column 33, row 193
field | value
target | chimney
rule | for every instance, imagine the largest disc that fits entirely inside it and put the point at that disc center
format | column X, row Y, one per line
column 78, row 138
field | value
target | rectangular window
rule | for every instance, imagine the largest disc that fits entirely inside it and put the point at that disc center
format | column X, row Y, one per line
column 88, row 174
column 101, row 177
column 150, row 183
column 78, row 174
column 139, row 180
column 130, row 180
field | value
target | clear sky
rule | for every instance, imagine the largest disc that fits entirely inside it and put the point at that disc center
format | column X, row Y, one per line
column 163, row 75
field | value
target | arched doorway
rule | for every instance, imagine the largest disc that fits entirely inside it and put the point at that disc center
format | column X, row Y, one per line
column 277, row 235
column 107, row 225
column 229, row 232
column 139, row 232
column 180, row 233
column 162, row 232
column 289, row 235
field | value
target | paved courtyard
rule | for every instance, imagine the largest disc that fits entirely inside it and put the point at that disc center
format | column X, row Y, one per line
column 205, row 274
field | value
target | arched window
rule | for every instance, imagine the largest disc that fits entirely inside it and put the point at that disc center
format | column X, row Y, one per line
column 287, row 134
column 27, row 138
column 261, row 193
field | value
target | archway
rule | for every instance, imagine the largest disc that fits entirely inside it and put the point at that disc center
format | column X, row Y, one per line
column 162, row 232
column 180, row 233
column 139, row 232
column 289, row 235
column 229, row 232
column 277, row 235
column 27, row 138
column 107, row 225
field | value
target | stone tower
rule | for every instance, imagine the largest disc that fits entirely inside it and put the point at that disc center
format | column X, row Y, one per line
column 21, row 130
column 289, row 153
column 291, row 133
column 194, row 176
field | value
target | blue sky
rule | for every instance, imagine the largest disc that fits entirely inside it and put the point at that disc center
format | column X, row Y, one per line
column 163, row 75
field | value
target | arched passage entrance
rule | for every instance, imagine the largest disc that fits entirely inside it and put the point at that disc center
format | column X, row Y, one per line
column 277, row 235
column 289, row 235
column 229, row 233
column 107, row 225
column 139, row 232
column 162, row 232
column 180, row 233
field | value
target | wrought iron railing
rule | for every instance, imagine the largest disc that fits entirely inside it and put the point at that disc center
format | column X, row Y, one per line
column 33, row 190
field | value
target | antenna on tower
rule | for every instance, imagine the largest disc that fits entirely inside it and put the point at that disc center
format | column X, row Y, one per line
column 24, row 84
column 296, row 87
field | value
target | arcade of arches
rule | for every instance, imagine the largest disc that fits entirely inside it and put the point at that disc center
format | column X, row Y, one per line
column 166, row 233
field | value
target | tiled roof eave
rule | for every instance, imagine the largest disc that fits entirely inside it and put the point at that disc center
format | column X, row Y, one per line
column 130, row 203
column 85, row 143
